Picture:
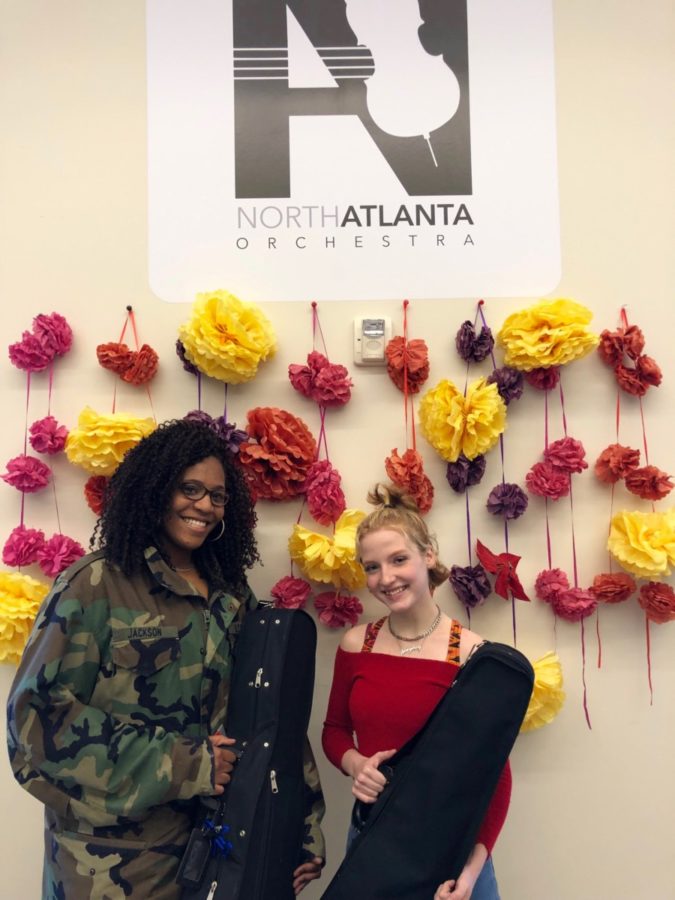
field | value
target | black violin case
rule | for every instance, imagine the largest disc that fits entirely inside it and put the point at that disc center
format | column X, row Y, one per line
column 424, row 824
column 249, row 840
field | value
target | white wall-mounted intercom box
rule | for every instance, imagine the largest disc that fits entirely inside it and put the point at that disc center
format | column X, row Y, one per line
column 371, row 336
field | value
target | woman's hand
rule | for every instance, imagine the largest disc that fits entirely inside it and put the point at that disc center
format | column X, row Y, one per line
column 369, row 782
column 461, row 888
column 223, row 761
column 307, row 872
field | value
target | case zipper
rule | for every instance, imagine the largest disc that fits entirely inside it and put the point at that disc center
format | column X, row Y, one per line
column 273, row 781
column 211, row 894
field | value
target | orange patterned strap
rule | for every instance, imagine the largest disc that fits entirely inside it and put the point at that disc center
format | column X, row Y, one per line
column 453, row 643
column 372, row 631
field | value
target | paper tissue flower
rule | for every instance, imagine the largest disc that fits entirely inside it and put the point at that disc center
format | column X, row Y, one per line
column 574, row 604
column 27, row 474
column 94, row 493
column 510, row 383
column 325, row 498
column 615, row 462
column 336, row 609
column 503, row 565
column 29, row 354
column 658, row 602
column 649, row 483
column 326, row 383
column 232, row 436
column 473, row 347
column 279, row 454
column 330, row 559
column 507, row 500
column 54, row 333
column 21, row 547
column 548, row 695
column 470, row 584
column 136, row 367
column 407, row 472
column 290, row 593
column 550, row 333
column 58, row 553
column 407, row 363
column 99, row 442
column 549, row 583
column 546, row 480
column 455, row 424
column 226, row 338
column 20, row 599
column 567, row 454
column 464, row 473
column 612, row 587
column 643, row 543
column 47, row 436
column 543, row 379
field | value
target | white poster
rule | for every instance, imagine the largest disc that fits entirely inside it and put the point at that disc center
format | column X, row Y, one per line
column 366, row 149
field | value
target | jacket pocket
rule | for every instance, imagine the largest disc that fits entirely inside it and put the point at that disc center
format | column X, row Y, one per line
column 145, row 656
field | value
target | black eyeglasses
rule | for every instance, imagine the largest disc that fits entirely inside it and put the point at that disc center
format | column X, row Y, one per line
column 195, row 490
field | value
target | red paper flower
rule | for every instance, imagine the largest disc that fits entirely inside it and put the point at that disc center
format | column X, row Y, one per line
column 543, row 379
column 615, row 462
column 325, row 498
column 114, row 357
column 21, row 547
column 94, row 492
column 566, row 454
column 649, row 483
column 549, row 583
column 134, row 367
column 610, row 347
column 27, row 474
column 658, row 601
column 29, row 354
column 407, row 362
column 58, row 553
column 322, row 381
column 574, row 604
column 54, row 333
column 503, row 565
column 546, row 480
column 336, row 610
column 612, row 587
column 290, row 593
column 278, row 457
column 648, row 371
column 629, row 381
column 408, row 473
column 47, row 436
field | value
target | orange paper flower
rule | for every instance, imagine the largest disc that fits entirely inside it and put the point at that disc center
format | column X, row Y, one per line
column 407, row 361
column 278, row 457
column 407, row 472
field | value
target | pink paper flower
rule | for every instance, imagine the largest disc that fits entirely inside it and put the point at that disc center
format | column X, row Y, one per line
column 58, row 553
column 574, row 604
column 47, row 436
column 543, row 379
column 322, row 381
column 546, row 480
column 22, row 546
column 325, row 498
column 566, row 454
column 54, row 333
column 550, row 582
column 29, row 354
column 291, row 593
column 27, row 474
column 336, row 610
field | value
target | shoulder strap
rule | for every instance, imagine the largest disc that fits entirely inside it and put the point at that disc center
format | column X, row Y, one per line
column 372, row 631
column 453, row 642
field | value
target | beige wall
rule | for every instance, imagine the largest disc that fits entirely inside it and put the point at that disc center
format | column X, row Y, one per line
column 591, row 812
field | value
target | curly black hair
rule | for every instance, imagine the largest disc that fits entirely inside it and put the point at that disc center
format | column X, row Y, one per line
column 138, row 496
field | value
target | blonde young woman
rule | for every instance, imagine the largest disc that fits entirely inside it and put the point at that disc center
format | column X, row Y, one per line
column 390, row 674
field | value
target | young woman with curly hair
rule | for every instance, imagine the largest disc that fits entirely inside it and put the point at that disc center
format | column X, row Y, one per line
column 115, row 716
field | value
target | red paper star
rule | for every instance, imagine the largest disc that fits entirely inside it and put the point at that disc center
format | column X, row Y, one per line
column 503, row 565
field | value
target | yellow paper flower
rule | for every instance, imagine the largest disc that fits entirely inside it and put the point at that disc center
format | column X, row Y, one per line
column 550, row 333
column 547, row 695
column 99, row 442
column 331, row 560
column 643, row 543
column 454, row 424
column 20, row 599
column 226, row 338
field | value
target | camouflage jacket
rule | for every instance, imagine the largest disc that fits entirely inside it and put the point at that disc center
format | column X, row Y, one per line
column 121, row 682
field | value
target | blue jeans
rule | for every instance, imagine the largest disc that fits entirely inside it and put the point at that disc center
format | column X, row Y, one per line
column 485, row 887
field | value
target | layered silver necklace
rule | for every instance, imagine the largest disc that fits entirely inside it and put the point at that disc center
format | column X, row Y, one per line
column 418, row 637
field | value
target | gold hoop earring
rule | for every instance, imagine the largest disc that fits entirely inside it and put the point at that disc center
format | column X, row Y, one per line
column 222, row 532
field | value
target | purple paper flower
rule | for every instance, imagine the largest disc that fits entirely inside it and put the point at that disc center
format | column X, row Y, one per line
column 47, row 436
column 54, row 333
column 471, row 584
column 27, row 474
column 507, row 500
column 473, row 347
column 465, row 472
column 21, row 547
column 187, row 365
column 229, row 434
column 510, row 383
column 30, row 354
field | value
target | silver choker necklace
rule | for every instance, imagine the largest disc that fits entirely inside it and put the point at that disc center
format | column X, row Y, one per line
column 418, row 637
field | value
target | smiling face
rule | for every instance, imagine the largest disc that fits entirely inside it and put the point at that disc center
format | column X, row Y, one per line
column 397, row 572
column 188, row 523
